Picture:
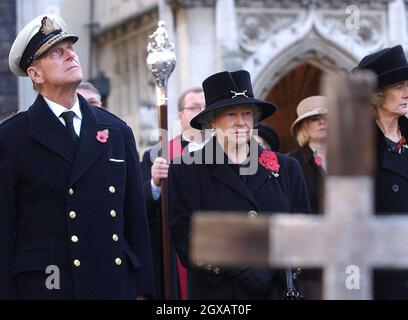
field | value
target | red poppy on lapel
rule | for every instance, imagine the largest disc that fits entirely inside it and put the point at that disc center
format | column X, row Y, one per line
column 102, row 136
column 269, row 160
column 318, row 160
column 402, row 145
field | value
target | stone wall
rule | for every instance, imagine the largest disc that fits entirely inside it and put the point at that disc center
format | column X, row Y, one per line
column 8, row 82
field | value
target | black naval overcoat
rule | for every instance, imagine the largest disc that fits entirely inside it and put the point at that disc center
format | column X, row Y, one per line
column 80, row 209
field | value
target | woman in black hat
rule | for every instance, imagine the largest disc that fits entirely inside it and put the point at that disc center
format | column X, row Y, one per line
column 391, row 191
column 235, row 174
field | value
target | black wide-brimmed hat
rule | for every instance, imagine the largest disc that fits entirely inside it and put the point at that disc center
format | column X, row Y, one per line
column 390, row 65
column 226, row 89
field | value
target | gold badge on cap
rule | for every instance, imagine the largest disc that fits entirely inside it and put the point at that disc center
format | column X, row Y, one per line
column 49, row 26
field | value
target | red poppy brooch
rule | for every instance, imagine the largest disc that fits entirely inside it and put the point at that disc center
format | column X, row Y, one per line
column 318, row 160
column 102, row 136
column 402, row 145
column 269, row 160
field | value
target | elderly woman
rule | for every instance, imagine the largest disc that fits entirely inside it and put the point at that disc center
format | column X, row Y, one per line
column 310, row 130
column 221, row 183
column 391, row 191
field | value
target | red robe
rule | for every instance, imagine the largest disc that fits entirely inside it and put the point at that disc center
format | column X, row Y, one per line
column 176, row 150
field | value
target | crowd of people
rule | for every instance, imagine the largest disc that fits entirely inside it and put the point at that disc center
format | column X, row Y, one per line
column 74, row 193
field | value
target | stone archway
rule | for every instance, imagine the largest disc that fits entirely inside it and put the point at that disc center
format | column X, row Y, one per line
column 295, row 74
column 303, row 81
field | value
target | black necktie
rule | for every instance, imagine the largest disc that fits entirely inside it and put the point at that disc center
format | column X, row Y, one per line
column 69, row 123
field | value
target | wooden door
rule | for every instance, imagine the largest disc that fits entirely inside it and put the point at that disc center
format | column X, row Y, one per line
column 298, row 84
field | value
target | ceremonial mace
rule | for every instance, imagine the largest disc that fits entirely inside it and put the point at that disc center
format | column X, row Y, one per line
column 161, row 61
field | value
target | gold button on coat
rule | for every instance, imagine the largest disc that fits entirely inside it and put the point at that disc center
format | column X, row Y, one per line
column 113, row 213
column 118, row 261
column 115, row 237
column 112, row 189
column 74, row 239
column 77, row 263
column 72, row 215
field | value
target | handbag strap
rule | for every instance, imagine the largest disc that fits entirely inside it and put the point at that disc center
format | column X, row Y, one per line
column 292, row 293
column 289, row 281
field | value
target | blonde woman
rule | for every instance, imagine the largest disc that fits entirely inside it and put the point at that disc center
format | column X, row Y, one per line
column 310, row 130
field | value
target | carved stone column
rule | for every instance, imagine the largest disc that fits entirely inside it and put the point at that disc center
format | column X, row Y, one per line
column 397, row 17
column 226, row 34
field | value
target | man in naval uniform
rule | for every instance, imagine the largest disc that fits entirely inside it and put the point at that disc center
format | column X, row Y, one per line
column 72, row 211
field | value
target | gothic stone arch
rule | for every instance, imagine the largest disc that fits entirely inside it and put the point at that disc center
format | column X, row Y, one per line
column 295, row 74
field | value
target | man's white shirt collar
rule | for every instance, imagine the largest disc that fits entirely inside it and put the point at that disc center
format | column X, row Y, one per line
column 58, row 109
column 194, row 146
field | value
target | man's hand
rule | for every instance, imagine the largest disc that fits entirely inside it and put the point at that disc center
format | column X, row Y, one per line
column 160, row 170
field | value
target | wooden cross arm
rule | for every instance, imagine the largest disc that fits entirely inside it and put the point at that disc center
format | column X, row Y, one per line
column 229, row 239
column 388, row 248
column 232, row 239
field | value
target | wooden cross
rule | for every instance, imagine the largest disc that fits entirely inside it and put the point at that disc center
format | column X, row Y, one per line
column 347, row 240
